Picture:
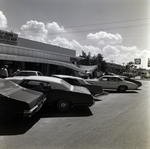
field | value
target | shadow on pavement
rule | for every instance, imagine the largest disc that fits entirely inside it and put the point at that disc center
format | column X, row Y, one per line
column 21, row 126
column 112, row 91
column 16, row 126
column 73, row 112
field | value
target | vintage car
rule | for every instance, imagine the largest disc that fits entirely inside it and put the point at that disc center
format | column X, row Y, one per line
column 28, row 73
column 131, row 80
column 59, row 92
column 77, row 81
column 22, row 74
column 113, row 82
column 16, row 100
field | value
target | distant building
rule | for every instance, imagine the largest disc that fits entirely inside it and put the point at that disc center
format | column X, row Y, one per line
column 116, row 68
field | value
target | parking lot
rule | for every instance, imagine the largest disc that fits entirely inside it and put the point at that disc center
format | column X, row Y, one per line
column 115, row 121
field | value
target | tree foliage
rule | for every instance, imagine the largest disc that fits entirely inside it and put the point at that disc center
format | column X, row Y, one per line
column 130, row 65
column 89, row 60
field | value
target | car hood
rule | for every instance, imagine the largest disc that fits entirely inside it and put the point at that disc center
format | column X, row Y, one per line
column 131, row 83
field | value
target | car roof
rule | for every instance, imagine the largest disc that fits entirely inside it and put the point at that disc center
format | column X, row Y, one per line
column 111, row 76
column 67, row 76
column 28, row 71
column 43, row 78
column 15, row 78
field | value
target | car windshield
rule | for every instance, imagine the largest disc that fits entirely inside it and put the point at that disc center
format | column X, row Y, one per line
column 82, row 81
column 66, row 84
column 126, row 79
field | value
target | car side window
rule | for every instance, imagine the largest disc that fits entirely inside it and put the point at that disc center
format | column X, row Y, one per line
column 35, row 85
column 118, row 79
column 104, row 79
column 39, row 74
column 112, row 79
column 46, row 86
column 30, row 74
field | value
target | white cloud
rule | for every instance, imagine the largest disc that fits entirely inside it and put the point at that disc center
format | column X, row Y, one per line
column 121, row 54
column 109, row 45
column 93, row 50
column 34, row 27
column 38, row 31
column 54, row 28
column 63, row 42
column 124, row 49
column 34, row 30
column 110, row 50
column 104, row 38
column 3, row 21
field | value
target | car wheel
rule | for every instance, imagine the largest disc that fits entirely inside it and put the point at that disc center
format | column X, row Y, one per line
column 63, row 105
column 122, row 89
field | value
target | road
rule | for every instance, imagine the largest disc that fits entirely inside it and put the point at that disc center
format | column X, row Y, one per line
column 116, row 121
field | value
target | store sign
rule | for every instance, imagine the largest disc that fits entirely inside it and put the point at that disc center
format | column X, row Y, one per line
column 148, row 62
column 137, row 61
column 8, row 37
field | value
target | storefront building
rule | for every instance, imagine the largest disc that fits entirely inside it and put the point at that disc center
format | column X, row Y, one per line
column 25, row 54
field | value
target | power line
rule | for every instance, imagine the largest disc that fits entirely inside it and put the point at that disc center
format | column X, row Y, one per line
column 104, row 23
column 108, row 28
column 124, row 36
column 101, row 28
column 123, row 21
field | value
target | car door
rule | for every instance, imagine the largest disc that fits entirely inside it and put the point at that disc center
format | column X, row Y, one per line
column 103, row 82
column 113, row 83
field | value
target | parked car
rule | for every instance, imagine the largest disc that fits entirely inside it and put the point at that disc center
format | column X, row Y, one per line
column 77, row 81
column 16, row 100
column 59, row 92
column 131, row 80
column 129, row 74
column 28, row 73
column 113, row 82
column 22, row 74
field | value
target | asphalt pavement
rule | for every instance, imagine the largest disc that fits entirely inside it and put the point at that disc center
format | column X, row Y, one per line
column 116, row 121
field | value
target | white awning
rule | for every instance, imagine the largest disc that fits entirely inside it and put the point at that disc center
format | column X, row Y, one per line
column 39, row 60
column 88, row 68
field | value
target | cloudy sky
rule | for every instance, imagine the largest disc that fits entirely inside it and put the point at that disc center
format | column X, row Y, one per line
column 118, row 29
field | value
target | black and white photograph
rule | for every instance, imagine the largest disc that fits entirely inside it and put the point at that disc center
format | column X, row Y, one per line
column 74, row 74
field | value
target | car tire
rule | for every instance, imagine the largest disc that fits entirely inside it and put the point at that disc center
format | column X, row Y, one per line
column 122, row 89
column 63, row 105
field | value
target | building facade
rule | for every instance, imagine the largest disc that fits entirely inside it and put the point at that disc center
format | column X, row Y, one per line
column 31, row 55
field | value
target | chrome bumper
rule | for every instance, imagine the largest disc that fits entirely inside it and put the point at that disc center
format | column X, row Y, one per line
column 29, row 113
